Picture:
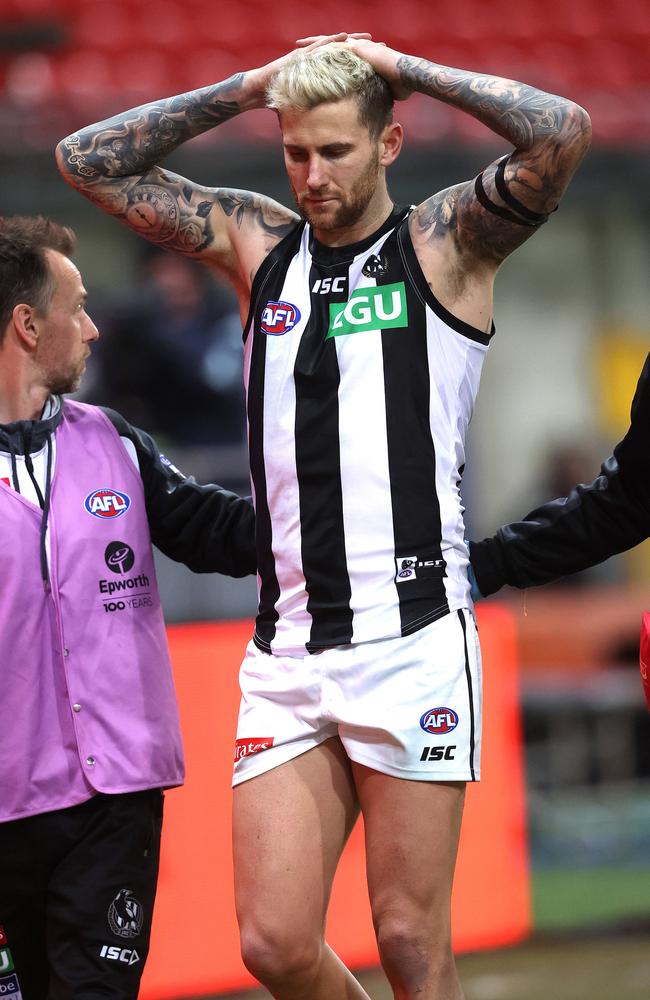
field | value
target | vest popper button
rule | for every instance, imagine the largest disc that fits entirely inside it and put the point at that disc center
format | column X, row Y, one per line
column 76, row 707
column 66, row 651
column 90, row 761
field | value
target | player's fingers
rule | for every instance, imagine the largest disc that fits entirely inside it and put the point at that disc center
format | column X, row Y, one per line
column 321, row 39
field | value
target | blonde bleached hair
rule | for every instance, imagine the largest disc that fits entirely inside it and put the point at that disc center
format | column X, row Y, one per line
column 332, row 73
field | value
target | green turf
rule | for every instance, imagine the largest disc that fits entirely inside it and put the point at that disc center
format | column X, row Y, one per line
column 594, row 896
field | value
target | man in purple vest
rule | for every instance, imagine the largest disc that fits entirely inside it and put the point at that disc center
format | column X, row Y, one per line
column 89, row 731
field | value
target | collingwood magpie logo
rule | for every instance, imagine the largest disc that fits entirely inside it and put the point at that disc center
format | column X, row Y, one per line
column 376, row 264
column 125, row 915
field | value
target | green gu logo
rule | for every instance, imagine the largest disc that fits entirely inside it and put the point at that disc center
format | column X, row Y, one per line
column 380, row 308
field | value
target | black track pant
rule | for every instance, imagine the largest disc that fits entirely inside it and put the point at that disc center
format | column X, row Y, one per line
column 77, row 889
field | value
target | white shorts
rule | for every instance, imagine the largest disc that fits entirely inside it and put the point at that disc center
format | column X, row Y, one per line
column 409, row 707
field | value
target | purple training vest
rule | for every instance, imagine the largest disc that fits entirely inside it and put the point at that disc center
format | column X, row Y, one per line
column 88, row 701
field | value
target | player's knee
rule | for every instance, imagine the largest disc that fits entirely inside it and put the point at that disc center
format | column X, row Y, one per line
column 411, row 951
column 280, row 954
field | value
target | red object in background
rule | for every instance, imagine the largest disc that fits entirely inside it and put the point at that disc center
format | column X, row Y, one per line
column 596, row 56
column 195, row 947
column 644, row 657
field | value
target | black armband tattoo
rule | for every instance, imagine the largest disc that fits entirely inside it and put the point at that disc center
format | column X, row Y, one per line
column 503, row 213
column 536, row 218
column 525, row 216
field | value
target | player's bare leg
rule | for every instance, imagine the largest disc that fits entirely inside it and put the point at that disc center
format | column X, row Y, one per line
column 412, row 831
column 289, row 828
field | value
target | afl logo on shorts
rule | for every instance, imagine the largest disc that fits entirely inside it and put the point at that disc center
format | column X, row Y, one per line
column 439, row 721
column 279, row 318
column 107, row 503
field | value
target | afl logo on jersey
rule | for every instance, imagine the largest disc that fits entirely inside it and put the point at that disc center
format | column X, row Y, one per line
column 279, row 318
column 439, row 721
column 107, row 503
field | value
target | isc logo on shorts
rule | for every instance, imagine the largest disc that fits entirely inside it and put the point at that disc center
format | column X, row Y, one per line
column 439, row 721
column 438, row 753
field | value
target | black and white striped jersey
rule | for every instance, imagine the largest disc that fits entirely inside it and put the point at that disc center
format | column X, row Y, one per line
column 360, row 387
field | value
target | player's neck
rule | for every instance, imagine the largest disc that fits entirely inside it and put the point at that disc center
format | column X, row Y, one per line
column 377, row 211
column 20, row 399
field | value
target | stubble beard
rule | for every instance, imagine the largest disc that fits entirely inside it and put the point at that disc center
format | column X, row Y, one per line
column 348, row 212
column 61, row 383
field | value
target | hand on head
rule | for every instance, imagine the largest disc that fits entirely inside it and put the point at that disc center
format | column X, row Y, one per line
column 382, row 58
column 315, row 41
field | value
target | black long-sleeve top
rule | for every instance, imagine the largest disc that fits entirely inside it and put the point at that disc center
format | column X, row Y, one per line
column 593, row 522
column 207, row 528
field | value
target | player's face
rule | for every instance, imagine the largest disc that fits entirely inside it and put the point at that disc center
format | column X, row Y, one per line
column 332, row 163
column 65, row 329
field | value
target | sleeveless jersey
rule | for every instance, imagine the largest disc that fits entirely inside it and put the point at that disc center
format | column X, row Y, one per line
column 360, row 386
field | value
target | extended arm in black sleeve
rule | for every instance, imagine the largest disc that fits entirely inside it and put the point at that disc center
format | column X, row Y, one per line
column 206, row 527
column 593, row 522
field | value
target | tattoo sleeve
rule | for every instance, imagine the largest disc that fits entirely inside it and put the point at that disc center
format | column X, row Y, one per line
column 133, row 142
column 115, row 164
column 176, row 214
column 521, row 114
column 550, row 134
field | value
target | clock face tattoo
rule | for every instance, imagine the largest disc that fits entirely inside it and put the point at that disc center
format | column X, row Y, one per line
column 153, row 213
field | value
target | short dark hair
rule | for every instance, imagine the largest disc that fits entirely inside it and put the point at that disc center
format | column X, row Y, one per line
column 24, row 272
column 376, row 106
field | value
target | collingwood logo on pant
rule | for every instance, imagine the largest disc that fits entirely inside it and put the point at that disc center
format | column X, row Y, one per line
column 125, row 915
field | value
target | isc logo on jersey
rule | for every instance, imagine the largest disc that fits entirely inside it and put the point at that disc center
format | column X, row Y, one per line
column 279, row 318
column 107, row 503
column 378, row 308
column 439, row 721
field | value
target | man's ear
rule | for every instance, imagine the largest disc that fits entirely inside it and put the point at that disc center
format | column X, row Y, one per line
column 391, row 143
column 26, row 324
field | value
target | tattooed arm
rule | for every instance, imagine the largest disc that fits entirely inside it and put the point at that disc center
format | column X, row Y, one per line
column 550, row 136
column 115, row 164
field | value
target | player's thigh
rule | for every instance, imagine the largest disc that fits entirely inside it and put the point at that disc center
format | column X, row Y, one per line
column 290, row 825
column 412, row 832
column 101, row 899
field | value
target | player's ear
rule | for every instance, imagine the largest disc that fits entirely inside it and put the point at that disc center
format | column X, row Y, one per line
column 24, row 321
column 390, row 143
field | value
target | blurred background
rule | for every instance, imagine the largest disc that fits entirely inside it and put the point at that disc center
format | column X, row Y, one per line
column 573, row 329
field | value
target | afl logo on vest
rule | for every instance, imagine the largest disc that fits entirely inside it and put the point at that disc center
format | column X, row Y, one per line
column 439, row 721
column 107, row 503
column 279, row 317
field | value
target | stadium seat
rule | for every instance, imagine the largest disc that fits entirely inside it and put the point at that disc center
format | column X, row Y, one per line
column 138, row 49
column 29, row 79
